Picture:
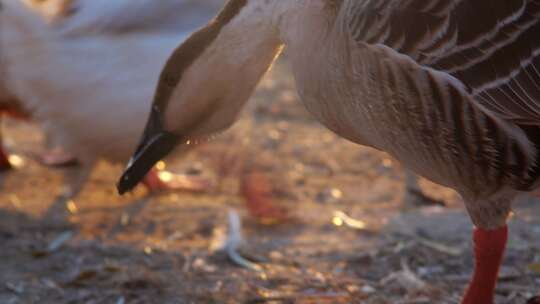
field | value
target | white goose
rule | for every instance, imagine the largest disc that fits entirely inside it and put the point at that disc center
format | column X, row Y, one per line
column 451, row 88
column 14, row 108
column 87, row 70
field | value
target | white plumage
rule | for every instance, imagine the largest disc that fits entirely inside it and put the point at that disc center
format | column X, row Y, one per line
column 87, row 69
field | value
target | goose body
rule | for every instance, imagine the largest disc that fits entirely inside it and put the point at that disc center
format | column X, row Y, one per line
column 448, row 120
column 88, row 70
column 451, row 88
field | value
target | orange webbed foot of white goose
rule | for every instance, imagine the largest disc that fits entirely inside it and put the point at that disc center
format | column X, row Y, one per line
column 160, row 180
column 489, row 247
column 58, row 157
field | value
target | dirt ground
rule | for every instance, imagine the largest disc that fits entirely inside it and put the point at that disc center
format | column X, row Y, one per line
column 141, row 248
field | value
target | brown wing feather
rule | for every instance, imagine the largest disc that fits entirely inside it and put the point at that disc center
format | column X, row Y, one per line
column 493, row 46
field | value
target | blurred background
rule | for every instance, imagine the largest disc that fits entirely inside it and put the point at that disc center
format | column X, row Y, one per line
column 349, row 234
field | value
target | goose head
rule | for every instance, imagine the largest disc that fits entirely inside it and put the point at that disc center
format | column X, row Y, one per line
column 208, row 79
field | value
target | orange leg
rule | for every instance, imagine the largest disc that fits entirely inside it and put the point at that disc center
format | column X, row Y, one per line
column 489, row 247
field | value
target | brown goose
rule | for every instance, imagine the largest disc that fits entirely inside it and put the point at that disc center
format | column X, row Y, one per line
column 451, row 88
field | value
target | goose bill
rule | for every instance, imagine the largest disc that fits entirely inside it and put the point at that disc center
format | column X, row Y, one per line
column 155, row 145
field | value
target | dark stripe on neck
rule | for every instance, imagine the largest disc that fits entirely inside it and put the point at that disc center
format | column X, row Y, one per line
column 190, row 50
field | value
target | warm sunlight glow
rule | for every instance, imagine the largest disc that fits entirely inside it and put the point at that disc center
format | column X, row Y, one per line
column 161, row 165
column 16, row 161
column 337, row 221
column 72, row 207
column 340, row 218
column 166, row 176
column 269, row 151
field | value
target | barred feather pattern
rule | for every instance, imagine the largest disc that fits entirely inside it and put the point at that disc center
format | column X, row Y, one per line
column 463, row 78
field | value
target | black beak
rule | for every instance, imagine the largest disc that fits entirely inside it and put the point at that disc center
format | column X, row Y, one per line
column 155, row 145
